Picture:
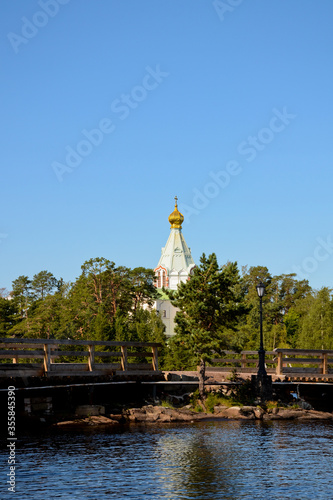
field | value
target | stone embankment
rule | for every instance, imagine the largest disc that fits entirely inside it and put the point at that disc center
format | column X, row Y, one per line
column 160, row 414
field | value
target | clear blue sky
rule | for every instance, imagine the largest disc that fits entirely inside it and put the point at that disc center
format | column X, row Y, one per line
column 227, row 105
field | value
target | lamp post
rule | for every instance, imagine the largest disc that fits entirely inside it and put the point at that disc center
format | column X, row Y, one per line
column 261, row 369
column 262, row 382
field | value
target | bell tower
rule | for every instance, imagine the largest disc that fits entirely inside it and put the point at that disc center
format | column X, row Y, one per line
column 175, row 266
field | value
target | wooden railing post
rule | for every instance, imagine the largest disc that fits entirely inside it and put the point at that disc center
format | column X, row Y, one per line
column 155, row 358
column 124, row 363
column 15, row 358
column 279, row 368
column 91, row 358
column 324, row 364
column 47, row 358
column 243, row 360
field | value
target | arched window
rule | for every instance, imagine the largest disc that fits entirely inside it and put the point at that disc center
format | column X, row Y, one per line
column 161, row 278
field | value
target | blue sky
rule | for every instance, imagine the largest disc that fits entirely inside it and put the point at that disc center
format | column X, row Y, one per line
column 111, row 108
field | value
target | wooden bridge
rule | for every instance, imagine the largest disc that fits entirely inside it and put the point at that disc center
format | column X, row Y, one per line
column 63, row 358
column 283, row 364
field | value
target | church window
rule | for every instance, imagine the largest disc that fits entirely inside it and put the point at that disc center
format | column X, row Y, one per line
column 161, row 279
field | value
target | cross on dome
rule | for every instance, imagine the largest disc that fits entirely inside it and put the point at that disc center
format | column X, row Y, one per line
column 176, row 218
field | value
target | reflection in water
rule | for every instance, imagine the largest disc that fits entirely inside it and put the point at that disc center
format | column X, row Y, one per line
column 199, row 465
column 210, row 463
column 207, row 461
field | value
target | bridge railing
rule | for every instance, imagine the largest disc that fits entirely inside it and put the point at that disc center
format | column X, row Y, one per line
column 312, row 361
column 242, row 362
column 96, row 357
column 280, row 362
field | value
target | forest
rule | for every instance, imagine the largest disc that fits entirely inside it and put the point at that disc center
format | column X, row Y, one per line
column 107, row 302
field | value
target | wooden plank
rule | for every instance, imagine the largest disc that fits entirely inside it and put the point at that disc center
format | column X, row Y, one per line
column 297, row 361
column 125, row 344
column 226, row 360
column 240, row 360
column 47, row 358
column 124, row 358
column 279, row 368
column 139, row 366
column 142, row 372
column 107, row 366
column 78, row 354
column 310, row 376
column 79, row 342
column 300, row 370
column 217, row 369
column 155, row 359
column 248, row 353
column 139, row 354
column 304, row 352
column 22, row 354
column 26, row 346
column 105, row 354
column 71, row 373
column 69, row 367
column 25, row 372
column 11, row 340
column 91, row 359
column 228, row 369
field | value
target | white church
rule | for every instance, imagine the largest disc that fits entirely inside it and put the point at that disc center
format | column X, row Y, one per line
column 175, row 265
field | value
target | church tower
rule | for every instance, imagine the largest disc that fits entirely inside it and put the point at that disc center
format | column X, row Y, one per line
column 175, row 265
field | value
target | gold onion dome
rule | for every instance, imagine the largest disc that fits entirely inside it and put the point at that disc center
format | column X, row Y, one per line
column 176, row 218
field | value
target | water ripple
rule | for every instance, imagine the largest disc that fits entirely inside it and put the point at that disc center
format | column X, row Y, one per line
column 205, row 461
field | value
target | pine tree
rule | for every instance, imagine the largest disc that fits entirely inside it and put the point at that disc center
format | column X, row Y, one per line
column 210, row 304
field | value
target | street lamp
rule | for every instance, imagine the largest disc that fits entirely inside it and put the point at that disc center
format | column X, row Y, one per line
column 261, row 370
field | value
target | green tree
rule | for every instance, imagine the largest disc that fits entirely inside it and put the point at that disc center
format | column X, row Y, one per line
column 8, row 312
column 282, row 295
column 249, row 325
column 42, row 284
column 95, row 298
column 143, row 325
column 317, row 326
column 291, row 322
column 105, row 298
column 142, row 284
column 21, row 294
column 210, row 305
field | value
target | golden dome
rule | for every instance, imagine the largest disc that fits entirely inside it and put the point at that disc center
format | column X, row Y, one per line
column 176, row 218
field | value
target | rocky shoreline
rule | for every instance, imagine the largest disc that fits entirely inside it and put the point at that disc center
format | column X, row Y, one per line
column 160, row 414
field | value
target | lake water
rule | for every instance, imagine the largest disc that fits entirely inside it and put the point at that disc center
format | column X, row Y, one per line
column 204, row 461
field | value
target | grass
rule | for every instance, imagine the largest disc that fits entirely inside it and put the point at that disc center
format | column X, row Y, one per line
column 271, row 404
column 212, row 400
column 167, row 404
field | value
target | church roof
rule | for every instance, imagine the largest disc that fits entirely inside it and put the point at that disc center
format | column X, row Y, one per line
column 176, row 255
column 176, row 219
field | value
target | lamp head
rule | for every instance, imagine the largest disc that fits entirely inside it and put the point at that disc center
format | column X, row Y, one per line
column 261, row 289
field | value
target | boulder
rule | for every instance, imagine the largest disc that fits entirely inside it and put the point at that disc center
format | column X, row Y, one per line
column 94, row 420
column 316, row 415
column 258, row 413
column 248, row 411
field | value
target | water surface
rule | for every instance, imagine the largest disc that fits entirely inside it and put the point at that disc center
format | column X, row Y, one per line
column 207, row 461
